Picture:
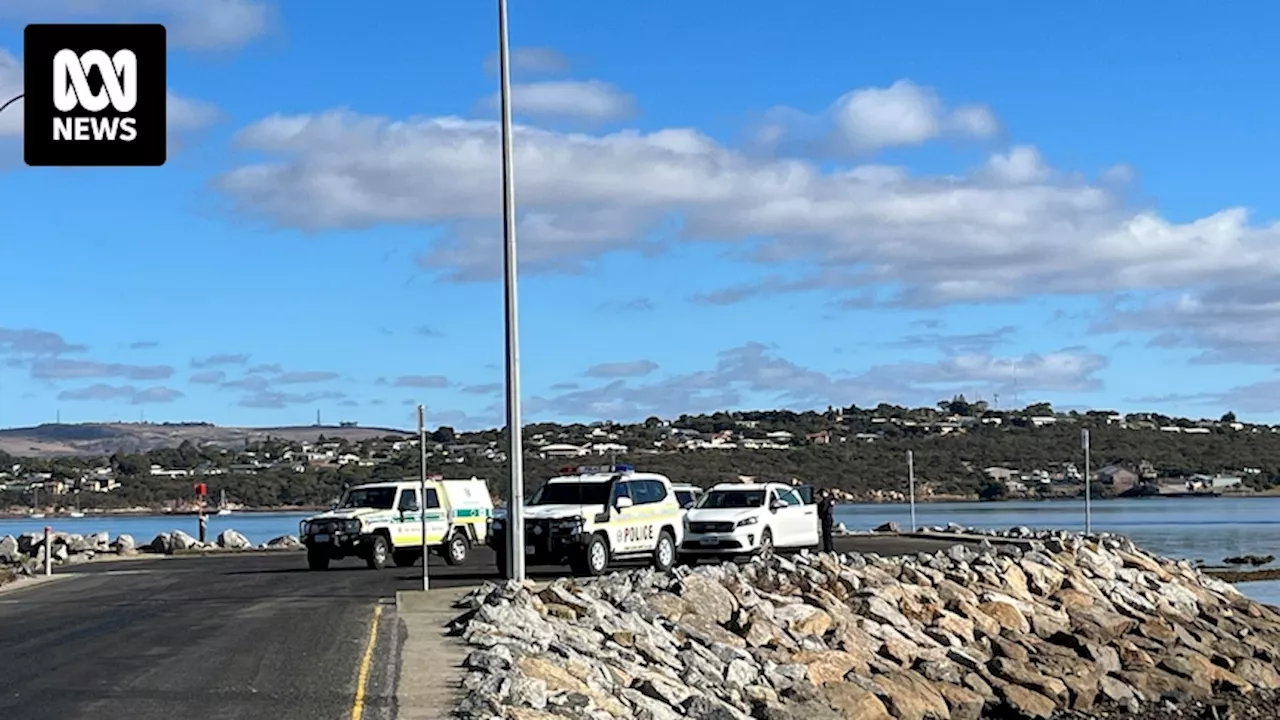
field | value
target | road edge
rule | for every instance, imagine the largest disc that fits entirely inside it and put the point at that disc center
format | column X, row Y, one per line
column 429, row 673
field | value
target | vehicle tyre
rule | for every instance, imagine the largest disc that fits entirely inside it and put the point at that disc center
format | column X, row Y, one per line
column 766, row 542
column 378, row 552
column 405, row 558
column 317, row 559
column 455, row 553
column 593, row 559
column 664, row 553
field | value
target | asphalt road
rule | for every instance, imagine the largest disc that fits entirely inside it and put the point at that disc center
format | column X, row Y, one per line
column 224, row 637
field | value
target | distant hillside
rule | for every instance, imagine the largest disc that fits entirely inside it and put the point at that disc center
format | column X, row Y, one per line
column 106, row 438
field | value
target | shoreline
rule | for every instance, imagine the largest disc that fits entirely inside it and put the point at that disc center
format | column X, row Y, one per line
column 500, row 503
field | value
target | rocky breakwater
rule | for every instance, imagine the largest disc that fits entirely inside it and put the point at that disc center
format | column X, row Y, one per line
column 1071, row 627
column 25, row 554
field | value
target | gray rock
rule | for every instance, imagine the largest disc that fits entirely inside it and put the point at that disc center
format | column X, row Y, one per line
column 9, row 553
column 232, row 540
column 124, row 545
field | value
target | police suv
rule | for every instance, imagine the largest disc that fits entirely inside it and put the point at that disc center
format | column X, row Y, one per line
column 384, row 520
column 591, row 516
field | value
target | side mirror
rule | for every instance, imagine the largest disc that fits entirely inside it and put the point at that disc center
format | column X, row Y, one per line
column 777, row 505
column 623, row 503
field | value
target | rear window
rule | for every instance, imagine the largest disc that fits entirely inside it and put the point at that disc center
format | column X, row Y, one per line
column 686, row 498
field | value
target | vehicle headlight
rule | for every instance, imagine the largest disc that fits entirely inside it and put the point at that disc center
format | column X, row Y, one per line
column 746, row 521
column 351, row 526
column 568, row 523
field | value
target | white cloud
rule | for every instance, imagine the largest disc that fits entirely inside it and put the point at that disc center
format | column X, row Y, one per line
column 587, row 100
column 754, row 373
column 199, row 24
column 1009, row 228
column 869, row 119
column 10, row 87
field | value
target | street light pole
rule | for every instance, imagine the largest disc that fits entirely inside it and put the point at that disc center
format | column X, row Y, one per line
column 515, row 453
column 422, row 489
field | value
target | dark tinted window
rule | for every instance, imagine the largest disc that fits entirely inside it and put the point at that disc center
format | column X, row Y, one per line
column 622, row 489
column 408, row 500
column 686, row 498
column 644, row 492
column 572, row 493
column 732, row 499
column 381, row 498
column 433, row 499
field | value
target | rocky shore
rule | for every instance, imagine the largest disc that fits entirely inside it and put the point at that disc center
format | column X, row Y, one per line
column 25, row 554
column 1055, row 626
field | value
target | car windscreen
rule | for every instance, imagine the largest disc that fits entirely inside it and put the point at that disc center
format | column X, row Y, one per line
column 572, row 493
column 381, row 498
column 732, row 499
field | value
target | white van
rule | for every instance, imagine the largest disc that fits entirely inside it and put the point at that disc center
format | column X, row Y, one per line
column 377, row 521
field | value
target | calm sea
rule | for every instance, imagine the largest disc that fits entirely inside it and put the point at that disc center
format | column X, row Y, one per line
column 1208, row 529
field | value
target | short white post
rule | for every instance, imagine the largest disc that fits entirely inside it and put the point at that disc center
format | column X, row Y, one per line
column 48, row 550
column 911, row 487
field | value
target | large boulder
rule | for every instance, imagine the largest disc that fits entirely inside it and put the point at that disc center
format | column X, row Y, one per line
column 9, row 553
column 284, row 542
column 124, row 545
column 162, row 543
column 232, row 540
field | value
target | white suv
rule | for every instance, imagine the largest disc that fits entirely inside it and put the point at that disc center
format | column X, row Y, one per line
column 742, row 519
column 589, row 517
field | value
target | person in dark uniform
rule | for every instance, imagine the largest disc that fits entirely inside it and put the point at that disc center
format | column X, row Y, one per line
column 826, row 514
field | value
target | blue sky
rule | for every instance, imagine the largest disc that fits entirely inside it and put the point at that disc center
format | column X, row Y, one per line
column 725, row 206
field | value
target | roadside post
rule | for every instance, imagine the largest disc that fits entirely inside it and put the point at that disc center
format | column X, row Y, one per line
column 422, row 491
column 1088, row 489
column 48, row 550
column 911, row 487
column 515, row 428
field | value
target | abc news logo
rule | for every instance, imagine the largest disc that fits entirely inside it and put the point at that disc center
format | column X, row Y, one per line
column 95, row 95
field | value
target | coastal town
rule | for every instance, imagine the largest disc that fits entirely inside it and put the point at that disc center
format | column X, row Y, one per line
column 962, row 450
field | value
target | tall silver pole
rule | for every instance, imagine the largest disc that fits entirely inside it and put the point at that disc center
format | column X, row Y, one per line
column 911, row 486
column 515, row 455
column 422, row 491
column 1088, row 490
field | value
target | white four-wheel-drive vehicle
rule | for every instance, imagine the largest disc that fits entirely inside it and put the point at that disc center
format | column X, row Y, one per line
column 742, row 519
column 383, row 520
column 589, row 517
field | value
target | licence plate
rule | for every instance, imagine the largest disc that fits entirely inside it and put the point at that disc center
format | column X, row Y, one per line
column 322, row 538
column 710, row 541
column 528, row 549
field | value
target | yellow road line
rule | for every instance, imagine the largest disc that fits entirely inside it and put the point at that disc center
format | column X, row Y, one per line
column 357, row 709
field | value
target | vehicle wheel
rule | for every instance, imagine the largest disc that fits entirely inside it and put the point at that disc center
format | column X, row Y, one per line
column 594, row 558
column 317, row 560
column 664, row 554
column 455, row 553
column 405, row 558
column 377, row 558
column 766, row 542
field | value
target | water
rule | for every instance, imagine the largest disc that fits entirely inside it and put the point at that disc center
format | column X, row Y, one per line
column 1208, row 529
column 259, row 527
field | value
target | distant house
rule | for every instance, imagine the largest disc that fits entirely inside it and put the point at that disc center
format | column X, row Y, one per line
column 561, row 450
column 1119, row 478
column 1002, row 474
